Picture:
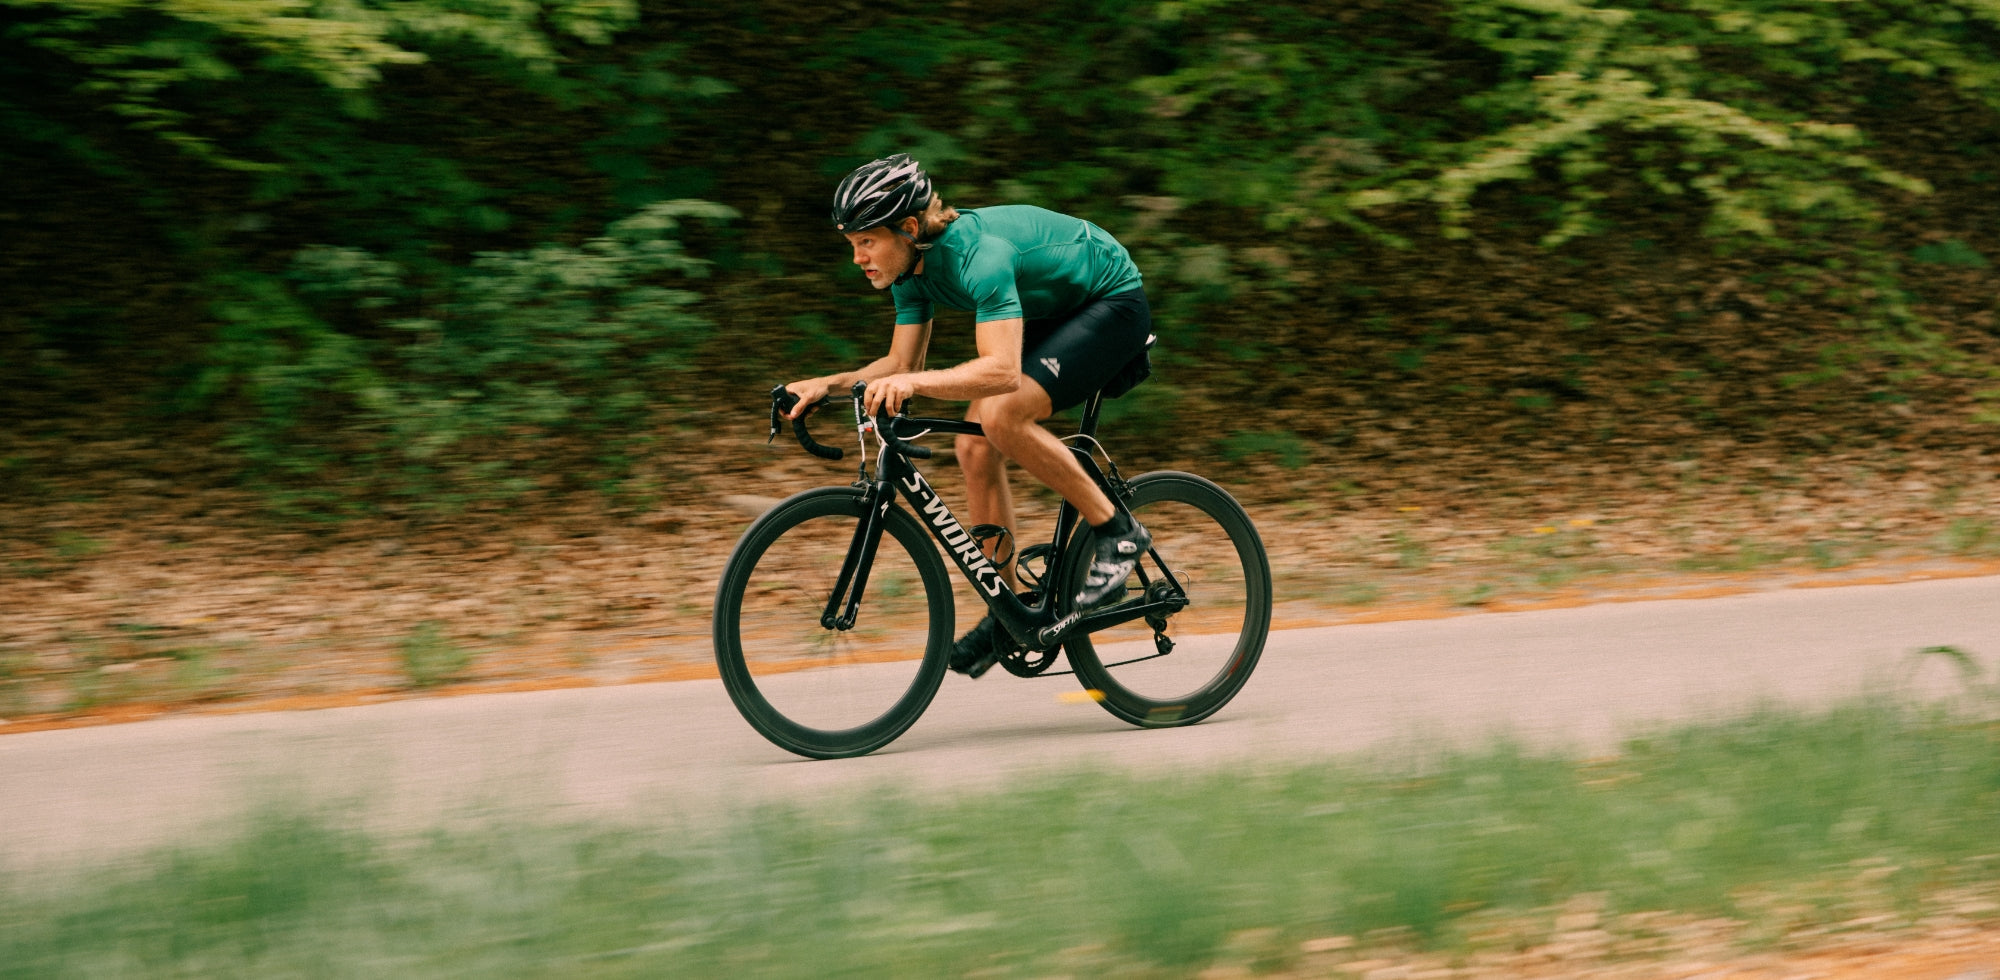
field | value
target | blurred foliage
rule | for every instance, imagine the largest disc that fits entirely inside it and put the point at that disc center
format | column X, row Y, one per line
column 440, row 377
column 379, row 221
column 1662, row 93
column 137, row 56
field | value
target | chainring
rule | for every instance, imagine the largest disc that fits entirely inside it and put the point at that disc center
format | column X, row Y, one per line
column 1027, row 663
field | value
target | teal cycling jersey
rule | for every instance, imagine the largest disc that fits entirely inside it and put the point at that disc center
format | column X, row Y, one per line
column 1016, row 260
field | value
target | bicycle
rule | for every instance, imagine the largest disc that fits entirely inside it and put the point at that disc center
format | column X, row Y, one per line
column 834, row 617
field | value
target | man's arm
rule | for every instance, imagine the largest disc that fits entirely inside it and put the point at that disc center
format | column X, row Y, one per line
column 996, row 371
column 907, row 350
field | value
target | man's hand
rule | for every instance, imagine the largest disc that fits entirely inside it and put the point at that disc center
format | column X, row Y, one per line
column 890, row 392
column 810, row 392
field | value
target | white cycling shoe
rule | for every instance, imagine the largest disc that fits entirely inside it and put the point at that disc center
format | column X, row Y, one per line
column 1111, row 565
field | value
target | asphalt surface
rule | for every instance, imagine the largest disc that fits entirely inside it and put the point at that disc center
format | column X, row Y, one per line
column 1574, row 679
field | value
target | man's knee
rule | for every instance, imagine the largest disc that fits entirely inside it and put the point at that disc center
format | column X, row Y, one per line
column 1016, row 412
column 976, row 454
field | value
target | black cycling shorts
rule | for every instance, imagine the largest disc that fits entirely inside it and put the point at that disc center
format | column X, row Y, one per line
column 1073, row 355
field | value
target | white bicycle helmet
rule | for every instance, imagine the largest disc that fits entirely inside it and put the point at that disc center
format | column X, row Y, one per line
column 881, row 192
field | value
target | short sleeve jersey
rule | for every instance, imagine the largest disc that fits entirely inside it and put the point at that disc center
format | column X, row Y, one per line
column 1016, row 260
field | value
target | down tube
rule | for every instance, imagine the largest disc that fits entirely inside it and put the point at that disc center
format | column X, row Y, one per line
column 973, row 563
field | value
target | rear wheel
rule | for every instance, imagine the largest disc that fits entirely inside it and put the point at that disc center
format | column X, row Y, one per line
column 816, row 691
column 1205, row 548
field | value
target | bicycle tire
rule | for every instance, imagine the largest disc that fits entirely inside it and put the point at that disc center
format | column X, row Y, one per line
column 1209, row 543
column 818, row 692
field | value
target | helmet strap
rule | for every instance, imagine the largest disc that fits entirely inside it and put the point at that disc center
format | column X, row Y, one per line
column 921, row 245
column 918, row 249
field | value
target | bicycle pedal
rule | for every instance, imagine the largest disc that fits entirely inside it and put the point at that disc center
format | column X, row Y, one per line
column 983, row 665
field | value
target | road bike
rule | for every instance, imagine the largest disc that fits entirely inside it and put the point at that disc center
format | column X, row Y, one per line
column 835, row 616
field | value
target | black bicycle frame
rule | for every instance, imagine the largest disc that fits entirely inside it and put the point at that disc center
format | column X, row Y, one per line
column 1036, row 625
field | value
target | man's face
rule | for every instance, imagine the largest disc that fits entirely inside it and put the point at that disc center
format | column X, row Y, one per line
column 882, row 254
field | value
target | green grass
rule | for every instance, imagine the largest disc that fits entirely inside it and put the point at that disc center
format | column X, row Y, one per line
column 1410, row 552
column 71, row 546
column 1747, row 556
column 14, row 667
column 1477, row 594
column 429, row 657
column 195, row 674
column 1555, row 556
column 1971, row 536
column 1291, row 451
column 1357, row 593
column 1830, row 554
column 1084, row 874
column 1751, row 555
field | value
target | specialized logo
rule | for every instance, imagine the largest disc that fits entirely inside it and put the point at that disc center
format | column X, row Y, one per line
column 1054, row 366
column 1049, row 633
column 962, row 546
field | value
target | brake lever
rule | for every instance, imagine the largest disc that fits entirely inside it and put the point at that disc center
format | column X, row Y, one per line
column 884, row 426
column 781, row 404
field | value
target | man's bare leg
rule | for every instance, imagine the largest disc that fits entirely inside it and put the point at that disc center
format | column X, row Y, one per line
column 1011, row 423
column 989, row 499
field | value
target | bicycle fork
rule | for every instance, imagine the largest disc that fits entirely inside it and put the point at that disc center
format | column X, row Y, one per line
column 844, row 605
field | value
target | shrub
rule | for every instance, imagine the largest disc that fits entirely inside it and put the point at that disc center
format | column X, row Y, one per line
column 470, row 383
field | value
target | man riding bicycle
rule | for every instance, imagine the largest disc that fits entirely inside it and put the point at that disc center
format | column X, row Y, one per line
column 1059, row 312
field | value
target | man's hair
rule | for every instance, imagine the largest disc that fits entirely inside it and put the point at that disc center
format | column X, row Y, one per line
column 932, row 220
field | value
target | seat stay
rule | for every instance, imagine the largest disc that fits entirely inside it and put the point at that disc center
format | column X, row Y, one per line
column 1173, row 581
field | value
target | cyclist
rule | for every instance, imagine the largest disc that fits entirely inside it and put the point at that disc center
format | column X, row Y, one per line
column 1059, row 312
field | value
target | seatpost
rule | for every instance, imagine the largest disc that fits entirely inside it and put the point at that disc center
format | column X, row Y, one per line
column 1088, row 426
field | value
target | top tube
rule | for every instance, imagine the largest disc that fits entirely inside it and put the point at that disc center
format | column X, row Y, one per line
column 903, row 427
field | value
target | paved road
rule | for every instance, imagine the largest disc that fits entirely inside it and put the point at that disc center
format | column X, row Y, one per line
column 1574, row 678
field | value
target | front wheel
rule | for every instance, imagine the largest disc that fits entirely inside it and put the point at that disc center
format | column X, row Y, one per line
column 1206, row 550
column 821, row 692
